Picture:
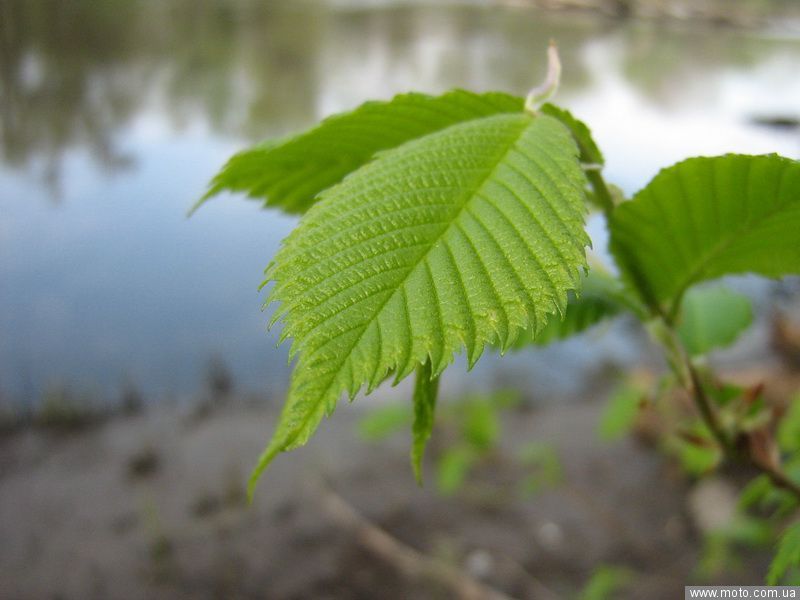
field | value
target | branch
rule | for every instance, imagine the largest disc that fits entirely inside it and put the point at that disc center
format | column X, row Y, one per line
column 770, row 468
column 706, row 409
column 779, row 479
column 411, row 563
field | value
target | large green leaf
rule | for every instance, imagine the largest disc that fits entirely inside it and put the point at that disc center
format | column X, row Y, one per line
column 713, row 318
column 708, row 217
column 289, row 173
column 456, row 240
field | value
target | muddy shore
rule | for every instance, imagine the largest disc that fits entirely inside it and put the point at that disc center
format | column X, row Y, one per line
column 153, row 506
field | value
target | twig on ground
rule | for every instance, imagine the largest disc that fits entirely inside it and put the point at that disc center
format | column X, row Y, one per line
column 410, row 562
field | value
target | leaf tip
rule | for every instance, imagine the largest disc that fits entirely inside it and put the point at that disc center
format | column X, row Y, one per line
column 212, row 191
column 270, row 452
column 416, row 467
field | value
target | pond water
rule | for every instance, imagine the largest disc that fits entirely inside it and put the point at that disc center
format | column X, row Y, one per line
column 113, row 117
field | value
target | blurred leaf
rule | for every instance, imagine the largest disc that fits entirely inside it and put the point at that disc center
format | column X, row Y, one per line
column 425, row 390
column 290, row 173
column 750, row 531
column 620, row 413
column 481, row 424
column 708, row 217
column 713, row 318
column 544, row 466
column 717, row 556
column 724, row 393
column 503, row 399
column 788, row 555
column 380, row 423
column 453, row 468
column 789, row 428
column 719, row 552
column 696, row 458
column 606, row 582
column 755, row 493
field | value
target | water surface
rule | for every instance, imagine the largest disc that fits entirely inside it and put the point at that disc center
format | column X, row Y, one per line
column 114, row 115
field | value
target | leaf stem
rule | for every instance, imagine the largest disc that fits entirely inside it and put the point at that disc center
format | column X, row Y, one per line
column 706, row 409
column 727, row 443
column 601, row 191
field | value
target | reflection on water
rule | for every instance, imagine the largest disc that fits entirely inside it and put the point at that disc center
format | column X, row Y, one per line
column 113, row 115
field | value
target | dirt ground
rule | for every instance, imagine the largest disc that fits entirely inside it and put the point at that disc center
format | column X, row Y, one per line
column 152, row 506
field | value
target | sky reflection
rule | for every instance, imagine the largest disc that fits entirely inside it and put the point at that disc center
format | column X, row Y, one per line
column 113, row 122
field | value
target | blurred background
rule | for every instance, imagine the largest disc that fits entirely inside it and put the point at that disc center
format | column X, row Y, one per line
column 138, row 382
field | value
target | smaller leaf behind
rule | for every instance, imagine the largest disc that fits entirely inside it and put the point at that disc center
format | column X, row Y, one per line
column 453, row 468
column 589, row 152
column 619, row 415
column 382, row 422
column 289, row 173
column 601, row 196
column 606, row 581
column 713, row 318
column 788, row 555
column 425, row 391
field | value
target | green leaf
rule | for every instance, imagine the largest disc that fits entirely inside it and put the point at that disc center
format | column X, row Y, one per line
column 696, row 457
column 600, row 195
column 747, row 530
column 713, row 318
column 289, row 173
column 453, row 468
column 542, row 465
column 425, row 391
column 620, row 413
column 708, row 217
column 454, row 241
column 384, row 421
column 606, row 582
column 788, row 555
column 589, row 152
column 601, row 297
column 755, row 493
column 480, row 425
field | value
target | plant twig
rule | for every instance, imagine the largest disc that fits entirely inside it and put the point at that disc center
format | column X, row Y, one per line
column 779, row 479
column 405, row 559
column 706, row 409
column 711, row 419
